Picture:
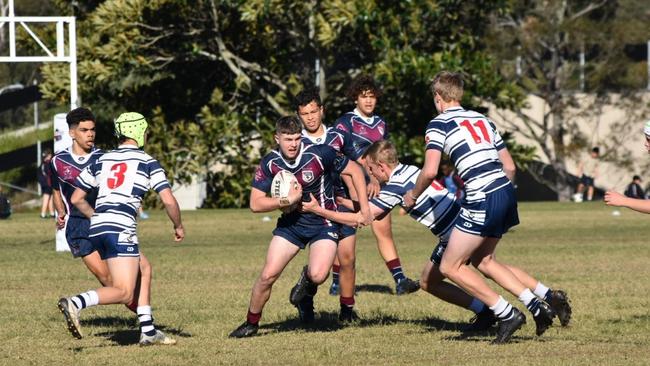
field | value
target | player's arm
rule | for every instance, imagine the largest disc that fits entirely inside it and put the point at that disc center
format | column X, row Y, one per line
column 616, row 199
column 173, row 211
column 78, row 199
column 260, row 202
column 59, row 207
column 428, row 173
column 359, row 181
column 353, row 219
column 508, row 163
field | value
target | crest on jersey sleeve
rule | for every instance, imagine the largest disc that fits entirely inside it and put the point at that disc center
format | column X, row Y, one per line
column 307, row 176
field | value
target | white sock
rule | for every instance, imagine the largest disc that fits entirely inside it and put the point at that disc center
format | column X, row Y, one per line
column 502, row 309
column 540, row 290
column 476, row 306
column 526, row 296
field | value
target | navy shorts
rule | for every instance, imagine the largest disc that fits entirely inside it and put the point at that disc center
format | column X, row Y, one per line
column 76, row 234
column 344, row 230
column 491, row 217
column 301, row 236
column 111, row 245
column 587, row 180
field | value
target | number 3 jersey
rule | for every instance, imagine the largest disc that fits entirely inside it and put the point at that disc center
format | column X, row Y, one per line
column 472, row 143
column 122, row 177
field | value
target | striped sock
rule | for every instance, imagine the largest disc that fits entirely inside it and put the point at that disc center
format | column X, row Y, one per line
column 502, row 309
column 85, row 299
column 335, row 274
column 532, row 303
column 146, row 320
column 395, row 268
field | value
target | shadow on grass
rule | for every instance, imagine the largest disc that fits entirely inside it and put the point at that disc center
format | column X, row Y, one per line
column 125, row 337
column 381, row 289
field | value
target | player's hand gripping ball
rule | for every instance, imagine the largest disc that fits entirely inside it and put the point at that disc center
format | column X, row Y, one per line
column 286, row 187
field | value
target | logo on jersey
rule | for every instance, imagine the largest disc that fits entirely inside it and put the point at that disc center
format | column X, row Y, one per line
column 67, row 173
column 333, row 235
column 381, row 130
column 259, row 175
column 467, row 224
column 307, row 176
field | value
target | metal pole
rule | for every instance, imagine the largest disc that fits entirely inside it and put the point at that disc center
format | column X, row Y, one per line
column 582, row 70
column 74, row 98
column 648, row 88
column 38, row 142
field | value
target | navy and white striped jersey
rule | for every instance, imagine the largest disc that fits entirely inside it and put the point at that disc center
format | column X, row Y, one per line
column 313, row 168
column 122, row 177
column 66, row 167
column 472, row 143
column 436, row 208
column 356, row 133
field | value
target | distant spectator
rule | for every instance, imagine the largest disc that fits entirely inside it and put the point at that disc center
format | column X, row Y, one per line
column 5, row 205
column 588, row 172
column 45, row 180
column 634, row 189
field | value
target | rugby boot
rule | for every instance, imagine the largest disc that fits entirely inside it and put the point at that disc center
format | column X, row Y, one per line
column 406, row 286
column 544, row 318
column 482, row 321
column 508, row 327
column 71, row 314
column 306, row 310
column 245, row 330
column 303, row 287
column 158, row 338
column 561, row 306
column 347, row 314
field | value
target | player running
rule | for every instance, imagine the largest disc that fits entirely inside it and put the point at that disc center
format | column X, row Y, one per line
column 66, row 166
column 313, row 167
column 437, row 209
column 357, row 130
column 121, row 178
column 488, row 210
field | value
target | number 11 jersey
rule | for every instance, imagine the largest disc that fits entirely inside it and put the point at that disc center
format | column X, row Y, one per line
column 472, row 143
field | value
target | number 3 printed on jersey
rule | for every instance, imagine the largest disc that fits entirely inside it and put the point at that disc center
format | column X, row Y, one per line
column 117, row 177
column 472, row 131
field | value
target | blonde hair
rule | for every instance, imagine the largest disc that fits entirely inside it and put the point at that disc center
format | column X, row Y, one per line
column 449, row 85
column 382, row 152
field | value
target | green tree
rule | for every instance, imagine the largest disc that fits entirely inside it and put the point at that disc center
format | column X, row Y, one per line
column 547, row 38
column 215, row 75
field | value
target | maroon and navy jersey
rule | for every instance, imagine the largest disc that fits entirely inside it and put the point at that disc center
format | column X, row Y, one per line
column 65, row 168
column 356, row 133
column 313, row 169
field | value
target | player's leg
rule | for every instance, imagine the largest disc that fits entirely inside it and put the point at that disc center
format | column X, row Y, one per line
column 460, row 248
column 485, row 261
column 347, row 257
column 590, row 191
column 382, row 229
column 98, row 267
column 141, row 303
column 336, row 270
column 557, row 299
column 279, row 254
column 45, row 199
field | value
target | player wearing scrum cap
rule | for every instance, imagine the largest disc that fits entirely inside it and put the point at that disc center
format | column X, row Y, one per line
column 314, row 167
column 121, row 178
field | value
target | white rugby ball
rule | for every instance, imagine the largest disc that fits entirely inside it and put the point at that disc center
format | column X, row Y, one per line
column 283, row 181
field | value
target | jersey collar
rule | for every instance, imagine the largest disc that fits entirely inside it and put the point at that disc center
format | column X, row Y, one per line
column 367, row 120
column 453, row 109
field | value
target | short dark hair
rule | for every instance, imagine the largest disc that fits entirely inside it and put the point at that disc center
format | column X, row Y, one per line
column 636, row 177
column 360, row 84
column 307, row 96
column 289, row 125
column 79, row 115
column 596, row 150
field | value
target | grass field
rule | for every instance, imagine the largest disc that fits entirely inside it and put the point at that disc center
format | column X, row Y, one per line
column 201, row 290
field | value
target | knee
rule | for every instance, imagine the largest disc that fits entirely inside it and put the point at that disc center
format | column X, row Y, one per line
column 267, row 279
column 347, row 260
column 126, row 296
column 318, row 276
column 447, row 270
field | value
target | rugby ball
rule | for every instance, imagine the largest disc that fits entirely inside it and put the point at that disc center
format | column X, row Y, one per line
column 283, row 181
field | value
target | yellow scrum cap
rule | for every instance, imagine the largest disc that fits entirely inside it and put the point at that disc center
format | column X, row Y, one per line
column 132, row 125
